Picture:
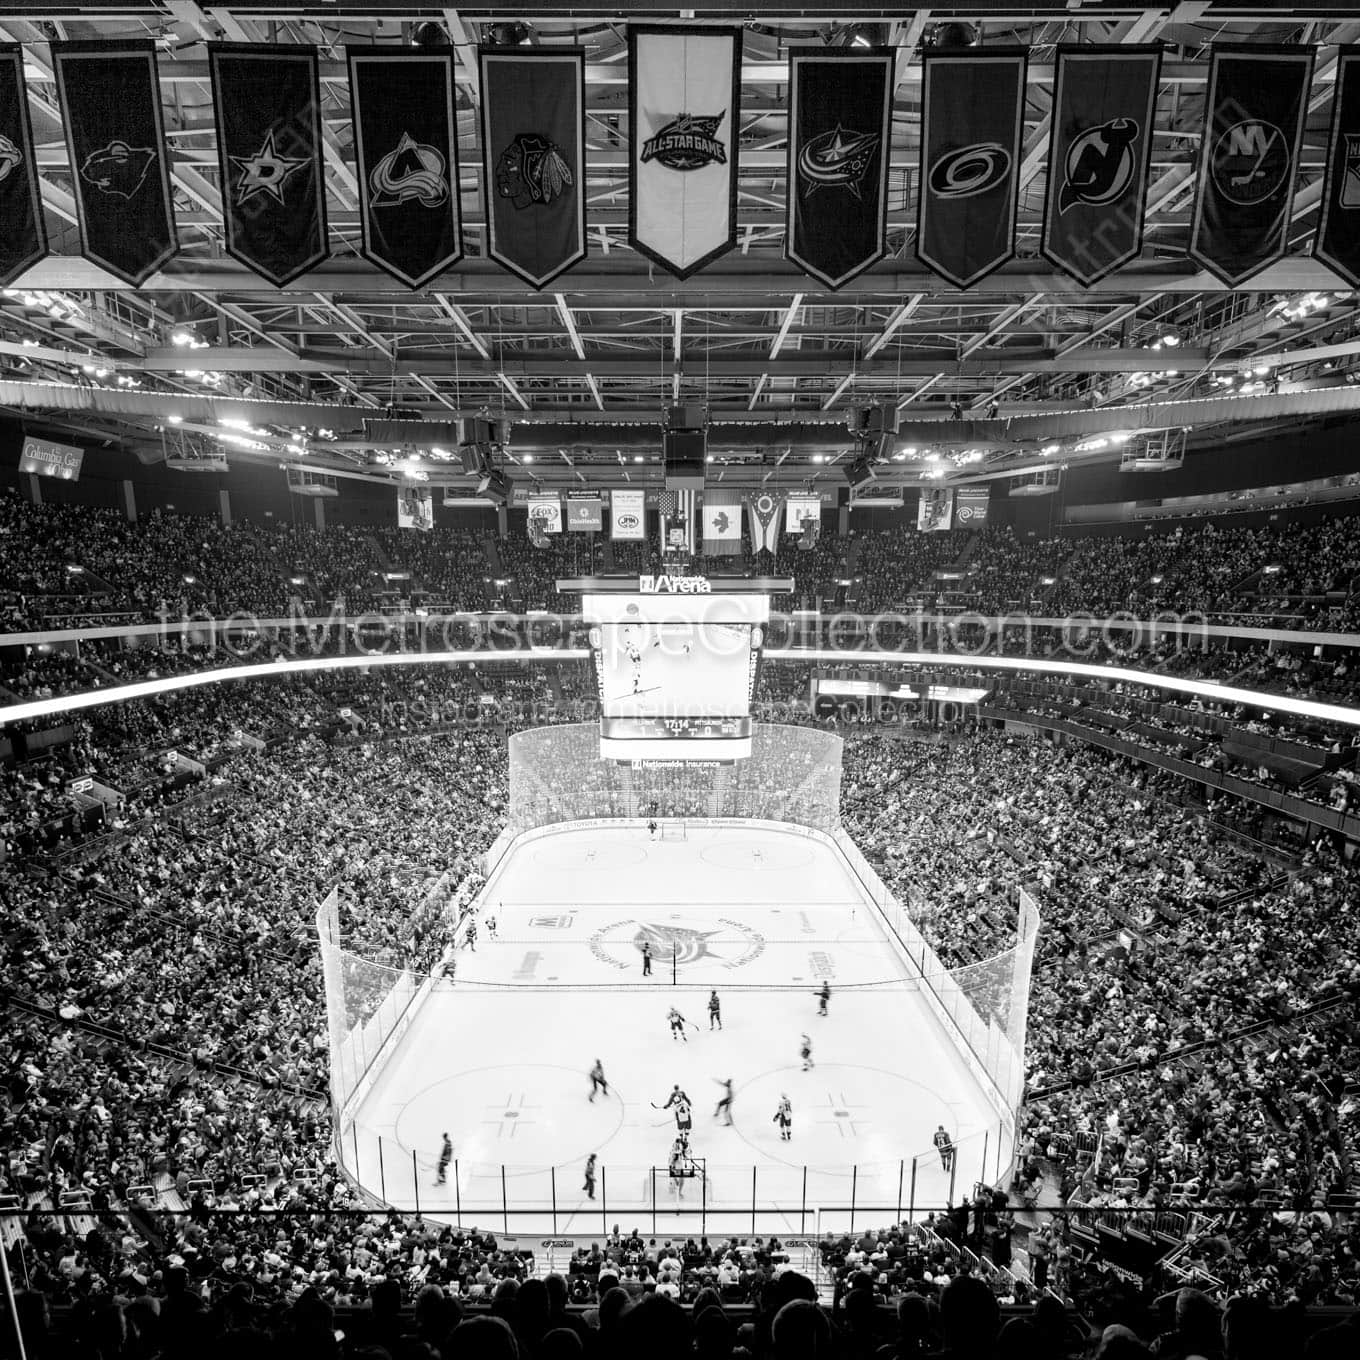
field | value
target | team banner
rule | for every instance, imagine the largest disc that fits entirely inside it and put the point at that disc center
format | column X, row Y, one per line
column 406, row 153
column 972, row 121
column 797, row 509
column 268, row 110
column 684, row 103
column 1254, row 112
column 762, row 515
column 111, row 106
column 722, row 522
column 1337, row 241
column 627, row 515
column 840, row 122
column 1099, row 150
column 970, row 507
column 546, row 512
column 533, row 153
column 23, row 237
column 585, row 514
column 935, row 510
column 415, row 507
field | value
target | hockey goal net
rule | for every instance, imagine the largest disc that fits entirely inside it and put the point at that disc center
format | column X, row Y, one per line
column 671, row 831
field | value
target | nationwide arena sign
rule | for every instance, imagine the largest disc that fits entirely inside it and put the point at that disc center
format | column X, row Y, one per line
column 674, row 585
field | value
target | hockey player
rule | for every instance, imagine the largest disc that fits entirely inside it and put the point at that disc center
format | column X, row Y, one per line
column 678, row 1023
column 783, row 1116
column 651, row 829
column 725, row 1104
column 490, row 927
column 470, row 939
column 445, row 1157
column 823, row 997
column 646, row 958
column 944, row 1144
column 806, row 1051
column 597, row 1081
column 589, row 1186
column 714, row 1010
column 676, row 1097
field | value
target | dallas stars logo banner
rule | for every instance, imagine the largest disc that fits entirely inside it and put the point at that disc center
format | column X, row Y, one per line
column 23, row 238
column 268, row 109
column 972, row 120
column 1254, row 112
column 1104, row 99
column 533, row 159
column 111, row 106
column 684, row 102
column 840, row 120
column 406, row 150
column 1337, row 242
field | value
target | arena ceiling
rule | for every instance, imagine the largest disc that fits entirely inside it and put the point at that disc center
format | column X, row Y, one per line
column 582, row 371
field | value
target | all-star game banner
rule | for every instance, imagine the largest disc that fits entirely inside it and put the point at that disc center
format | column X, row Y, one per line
column 268, row 110
column 23, row 237
column 840, row 121
column 1104, row 99
column 406, row 149
column 1337, row 242
column 684, row 101
column 111, row 107
column 1254, row 112
column 533, row 159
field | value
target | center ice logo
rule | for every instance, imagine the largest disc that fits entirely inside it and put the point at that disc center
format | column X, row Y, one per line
column 685, row 946
column 620, row 944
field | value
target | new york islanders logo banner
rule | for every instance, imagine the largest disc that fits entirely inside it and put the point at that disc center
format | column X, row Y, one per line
column 406, row 149
column 1254, row 112
column 972, row 120
column 1337, row 242
column 533, row 159
column 684, row 101
column 840, row 119
column 23, row 238
column 111, row 106
column 1104, row 99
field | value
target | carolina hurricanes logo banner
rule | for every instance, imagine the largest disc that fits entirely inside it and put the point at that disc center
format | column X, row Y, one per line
column 23, row 238
column 1337, row 242
column 840, row 119
column 111, row 106
column 1098, row 155
column 269, row 147
column 406, row 153
column 533, row 159
column 684, row 102
column 1254, row 113
column 972, row 119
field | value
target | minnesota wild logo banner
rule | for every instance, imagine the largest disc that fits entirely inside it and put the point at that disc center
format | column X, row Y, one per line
column 1337, row 241
column 23, row 238
column 406, row 149
column 840, row 118
column 684, row 100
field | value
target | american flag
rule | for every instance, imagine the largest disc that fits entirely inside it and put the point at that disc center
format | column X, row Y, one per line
column 677, row 521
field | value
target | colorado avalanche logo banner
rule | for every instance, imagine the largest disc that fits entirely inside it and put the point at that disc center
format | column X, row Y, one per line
column 23, row 238
column 533, row 159
column 406, row 149
column 840, row 119
column 111, row 106
column 1337, row 242
column 1254, row 111
column 684, row 101
column 269, row 147
column 1104, row 99
column 972, row 120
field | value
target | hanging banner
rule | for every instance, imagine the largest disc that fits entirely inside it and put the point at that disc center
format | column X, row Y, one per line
column 23, row 237
column 533, row 159
column 415, row 507
column 684, row 104
column 762, row 514
column 585, row 514
column 1254, row 112
column 972, row 121
column 1099, row 150
column 722, row 523
column 799, row 508
column 677, row 521
column 970, row 507
column 111, row 107
column 546, row 512
column 268, row 110
column 1337, row 240
column 935, row 510
column 406, row 154
column 628, row 515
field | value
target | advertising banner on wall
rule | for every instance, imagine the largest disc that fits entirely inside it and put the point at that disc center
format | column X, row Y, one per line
column 627, row 514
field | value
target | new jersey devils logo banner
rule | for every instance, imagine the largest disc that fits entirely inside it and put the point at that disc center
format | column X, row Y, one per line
column 1337, row 242
column 972, row 119
column 23, row 238
column 1254, row 112
column 111, row 106
column 840, row 119
column 269, row 147
column 406, row 149
column 1098, row 154
column 684, row 102
column 533, row 159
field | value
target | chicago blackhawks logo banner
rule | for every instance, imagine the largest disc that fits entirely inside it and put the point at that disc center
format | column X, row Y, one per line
column 533, row 159
column 1098, row 154
column 269, row 148
column 684, row 101
column 23, row 238
column 1337, row 242
column 111, row 106
column 840, row 118
column 406, row 149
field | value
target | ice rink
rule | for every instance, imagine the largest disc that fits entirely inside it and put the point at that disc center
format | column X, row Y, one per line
column 499, row 1058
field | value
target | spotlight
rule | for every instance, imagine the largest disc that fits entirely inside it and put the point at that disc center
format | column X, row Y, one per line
column 429, row 35
column 956, row 35
column 860, row 473
column 509, row 34
column 495, row 486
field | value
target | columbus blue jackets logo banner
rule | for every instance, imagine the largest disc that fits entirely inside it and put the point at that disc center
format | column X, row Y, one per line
column 1254, row 112
column 1104, row 99
column 533, row 159
column 111, row 105
column 269, row 147
column 23, row 239
column 1337, row 242
column 840, row 119
column 684, row 93
column 406, row 153
column 972, row 119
